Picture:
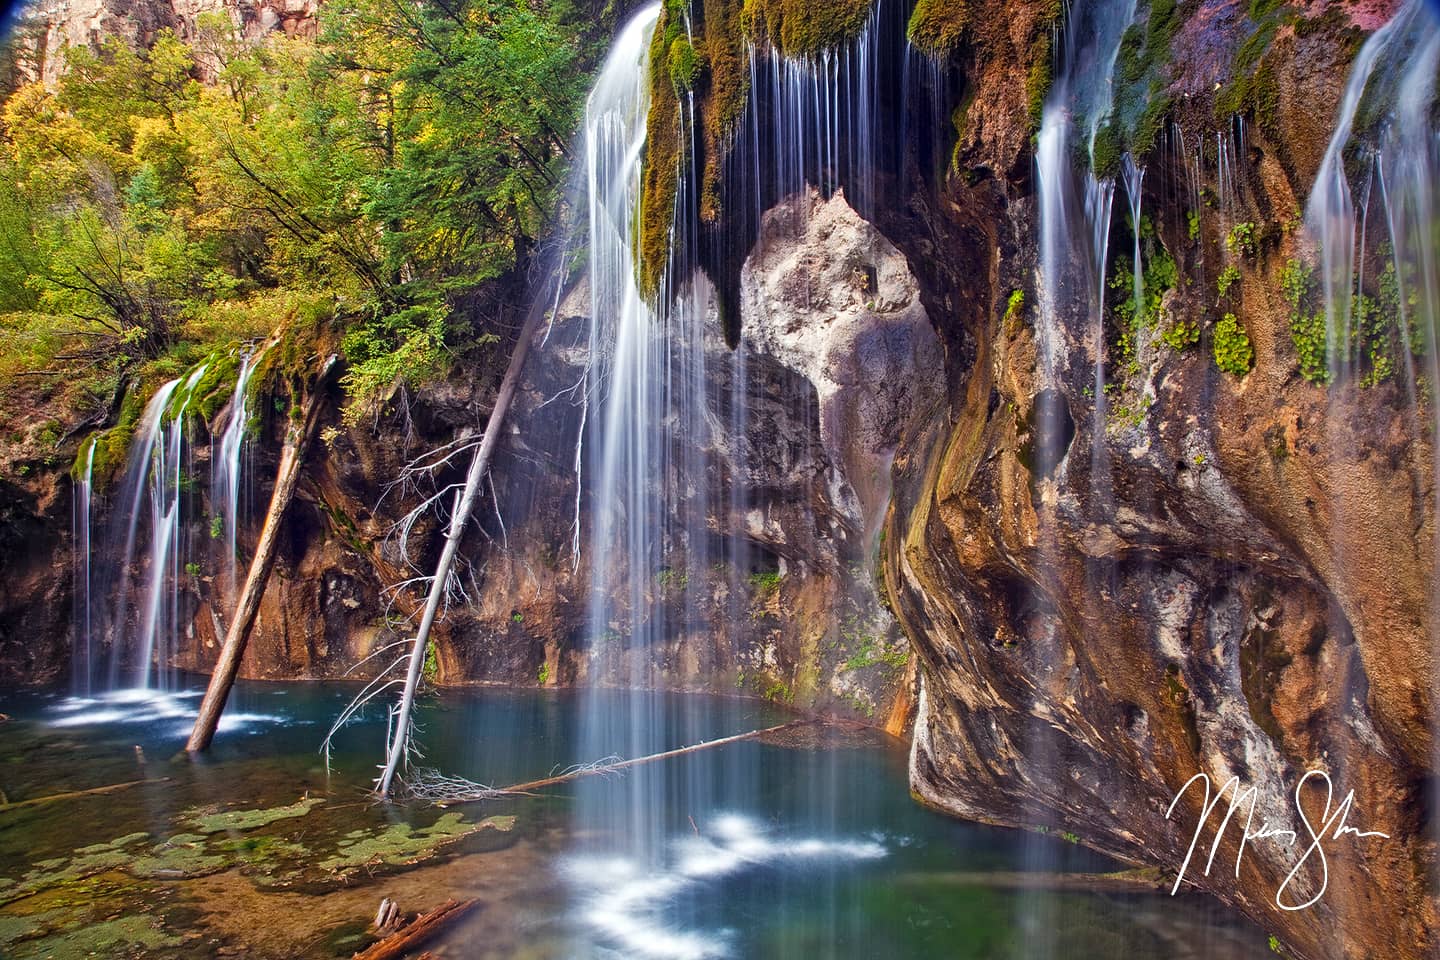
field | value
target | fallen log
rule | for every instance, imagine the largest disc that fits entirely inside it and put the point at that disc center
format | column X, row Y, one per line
column 417, row 931
column 73, row 794
column 605, row 768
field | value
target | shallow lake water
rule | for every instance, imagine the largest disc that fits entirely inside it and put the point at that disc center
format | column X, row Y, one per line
column 803, row 844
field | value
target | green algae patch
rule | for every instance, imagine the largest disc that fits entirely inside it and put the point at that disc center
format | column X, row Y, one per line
column 400, row 844
column 86, row 862
column 181, row 857
column 242, row 820
column 108, row 938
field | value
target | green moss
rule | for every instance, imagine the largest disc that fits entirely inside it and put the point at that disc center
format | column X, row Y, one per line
column 1144, row 68
column 684, row 65
column 61, row 871
column 662, row 163
column 937, row 26
column 181, row 856
column 120, row 937
column 1039, row 78
column 1231, row 346
column 1107, row 149
column 112, row 446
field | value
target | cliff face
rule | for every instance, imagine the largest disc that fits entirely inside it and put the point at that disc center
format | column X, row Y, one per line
column 1228, row 575
column 50, row 26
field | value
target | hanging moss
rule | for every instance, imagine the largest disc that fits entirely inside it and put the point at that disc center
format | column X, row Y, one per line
column 1039, row 79
column 684, row 64
column 726, row 87
column 662, row 159
column 1107, row 149
column 112, row 446
column 937, row 26
column 799, row 28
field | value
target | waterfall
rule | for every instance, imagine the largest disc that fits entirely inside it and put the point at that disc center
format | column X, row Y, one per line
column 1079, row 102
column 154, row 486
column 821, row 110
column 83, row 668
column 1329, row 213
column 627, row 383
column 226, row 469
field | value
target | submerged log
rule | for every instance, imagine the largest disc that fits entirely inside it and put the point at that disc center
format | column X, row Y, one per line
column 591, row 770
column 75, row 794
column 1119, row 881
column 417, row 931
column 297, row 441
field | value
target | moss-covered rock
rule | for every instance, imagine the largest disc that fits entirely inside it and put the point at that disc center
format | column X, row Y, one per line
column 938, row 26
column 803, row 28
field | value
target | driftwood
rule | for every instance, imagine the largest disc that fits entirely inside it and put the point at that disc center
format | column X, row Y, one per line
column 73, row 794
column 607, row 768
column 292, row 456
column 400, row 731
column 417, row 931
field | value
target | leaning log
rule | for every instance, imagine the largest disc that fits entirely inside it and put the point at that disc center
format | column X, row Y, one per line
column 297, row 440
column 465, row 503
column 417, row 931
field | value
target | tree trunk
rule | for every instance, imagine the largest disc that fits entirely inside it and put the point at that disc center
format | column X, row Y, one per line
column 292, row 456
column 478, row 466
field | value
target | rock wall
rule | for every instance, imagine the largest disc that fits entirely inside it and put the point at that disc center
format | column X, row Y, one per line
column 1228, row 575
column 48, row 27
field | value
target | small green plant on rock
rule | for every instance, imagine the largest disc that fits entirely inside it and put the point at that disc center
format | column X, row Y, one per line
column 1307, row 324
column 1243, row 239
column 543, row 677
column 1181, row 335
column 1227, row 279
column 765, row 584
column 1013, row 306
column 1231, row 345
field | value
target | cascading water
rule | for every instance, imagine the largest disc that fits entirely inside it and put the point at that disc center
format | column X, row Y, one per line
column 1074, row 225
column 1330, row 213
column 666, row 451
column 1371, row 276
column 165, row 484
column 83, row 669
column 226, row 487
